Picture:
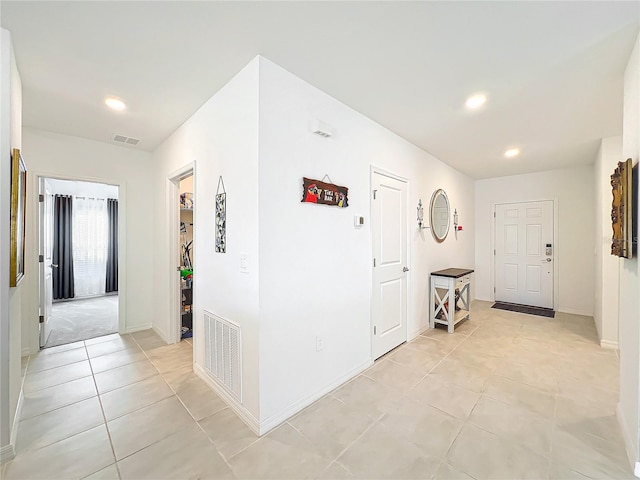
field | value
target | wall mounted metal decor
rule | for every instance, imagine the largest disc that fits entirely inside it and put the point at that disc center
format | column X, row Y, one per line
column 221, row 217
column 324, row 193
column 621, row 210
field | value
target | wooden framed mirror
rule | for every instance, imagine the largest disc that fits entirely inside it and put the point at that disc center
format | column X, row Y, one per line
column 440, row 214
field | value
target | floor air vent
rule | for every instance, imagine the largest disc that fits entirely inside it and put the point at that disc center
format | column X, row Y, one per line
column 222, row 353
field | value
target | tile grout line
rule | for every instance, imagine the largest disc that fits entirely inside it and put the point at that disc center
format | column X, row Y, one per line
column 185, row 406
column 104, row 417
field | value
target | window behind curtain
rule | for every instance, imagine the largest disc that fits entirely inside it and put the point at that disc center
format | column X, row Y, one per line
column 90, row 242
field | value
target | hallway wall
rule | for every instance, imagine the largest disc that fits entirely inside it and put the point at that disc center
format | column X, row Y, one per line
column 607, row 272
column 573, row 188
column 11, row 299
column 629, row 301
column 56, row 155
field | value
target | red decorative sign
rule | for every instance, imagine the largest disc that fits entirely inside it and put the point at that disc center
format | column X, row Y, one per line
column 317, row 191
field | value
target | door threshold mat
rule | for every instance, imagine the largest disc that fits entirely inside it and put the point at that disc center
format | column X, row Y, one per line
column 514, row 307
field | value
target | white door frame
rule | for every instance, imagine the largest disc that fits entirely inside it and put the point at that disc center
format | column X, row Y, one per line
column 556, row 246
column 381, row 171
column 173, row 234
column 33, row 206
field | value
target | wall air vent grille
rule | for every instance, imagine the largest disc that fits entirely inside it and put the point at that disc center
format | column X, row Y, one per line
column 125, row 140
column 222, row 345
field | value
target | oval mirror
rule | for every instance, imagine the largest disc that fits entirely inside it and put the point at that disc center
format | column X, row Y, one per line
column 439, row 215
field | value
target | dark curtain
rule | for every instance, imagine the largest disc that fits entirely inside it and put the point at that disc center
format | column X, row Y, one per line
column 62, row 262
column 112, row 249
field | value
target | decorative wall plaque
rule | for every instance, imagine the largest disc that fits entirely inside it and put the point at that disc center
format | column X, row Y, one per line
column 317, row 191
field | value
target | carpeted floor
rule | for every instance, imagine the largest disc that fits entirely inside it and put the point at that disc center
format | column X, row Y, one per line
column 82, row 319
column 514, row 307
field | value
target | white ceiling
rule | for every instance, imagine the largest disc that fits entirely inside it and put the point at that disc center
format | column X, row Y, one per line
column 553, row 71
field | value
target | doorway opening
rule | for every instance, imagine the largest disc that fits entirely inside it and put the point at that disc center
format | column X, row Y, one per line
column 186, row 256
column 78, row 235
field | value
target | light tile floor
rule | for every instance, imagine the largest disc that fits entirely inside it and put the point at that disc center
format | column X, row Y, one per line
column 507, row 396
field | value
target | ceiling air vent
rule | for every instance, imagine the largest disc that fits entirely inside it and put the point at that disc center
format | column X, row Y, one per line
column 126, row 140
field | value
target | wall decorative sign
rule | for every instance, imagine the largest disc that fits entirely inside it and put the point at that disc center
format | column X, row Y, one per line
column 318, row 191
column 18, row 209
column 221, row 217
column 621, row 210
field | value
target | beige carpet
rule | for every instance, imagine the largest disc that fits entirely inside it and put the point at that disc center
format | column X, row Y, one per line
column 82, row 319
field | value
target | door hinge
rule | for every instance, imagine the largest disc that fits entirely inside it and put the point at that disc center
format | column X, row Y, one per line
column 40, row 258
column 41, row 318
column 374, row 262
column 374, row 194
column 494, row 214
column 374, row 330
column 494, row 289
column 41, row 198
column 494, row 251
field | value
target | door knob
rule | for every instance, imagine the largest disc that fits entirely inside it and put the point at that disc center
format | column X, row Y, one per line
column 547, row 260
column 54, row 265
column 405, row 269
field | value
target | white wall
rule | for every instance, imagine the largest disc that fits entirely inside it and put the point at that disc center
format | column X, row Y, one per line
column 83, row 189
column 55, row 155
column 10, row 298
column 574, row 190
column 315, row 267
column 629, row 322
column 222, row 139
column 605, row 312
column 282, row 372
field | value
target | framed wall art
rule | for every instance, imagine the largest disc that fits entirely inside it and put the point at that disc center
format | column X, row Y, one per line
column 18, row 210
column 622, row 210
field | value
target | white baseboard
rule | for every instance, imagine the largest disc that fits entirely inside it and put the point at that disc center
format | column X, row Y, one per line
column 609, row 344
column 138, row 328
column 17, row 416
column 8, row 452
column 260, row 428
column 417, row 333
column 245, row 415
column 275, row 420
column 161, row 333
column 571, row 311
column 636, row 470
column 628, row 443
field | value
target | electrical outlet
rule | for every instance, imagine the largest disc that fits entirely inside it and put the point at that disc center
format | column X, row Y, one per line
column 319, row 343
column 244, row 267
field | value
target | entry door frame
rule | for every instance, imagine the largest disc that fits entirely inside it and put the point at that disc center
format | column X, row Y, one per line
column 173, row 234
column 377, row 170
column 556, row 245
column 34, row 206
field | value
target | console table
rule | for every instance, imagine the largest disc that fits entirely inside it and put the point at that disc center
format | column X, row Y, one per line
column 444, row 284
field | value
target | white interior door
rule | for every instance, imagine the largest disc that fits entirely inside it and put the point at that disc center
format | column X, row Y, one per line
column 389, row 231
column 524, row 254
column 46, row 252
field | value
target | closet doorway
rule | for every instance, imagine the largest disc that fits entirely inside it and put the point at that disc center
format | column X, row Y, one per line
column 186, row 256
column 78, row 234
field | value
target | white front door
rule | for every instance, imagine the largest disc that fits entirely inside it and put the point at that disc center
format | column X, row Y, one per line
column 389, row 231
column 46, row 253
column 524, row 254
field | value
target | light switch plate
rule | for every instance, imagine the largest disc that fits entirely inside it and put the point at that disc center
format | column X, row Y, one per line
column 244, row 263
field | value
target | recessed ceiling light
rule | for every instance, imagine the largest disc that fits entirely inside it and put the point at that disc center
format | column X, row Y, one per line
column 476, row 101
column 512, row 152
column 115, row 104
